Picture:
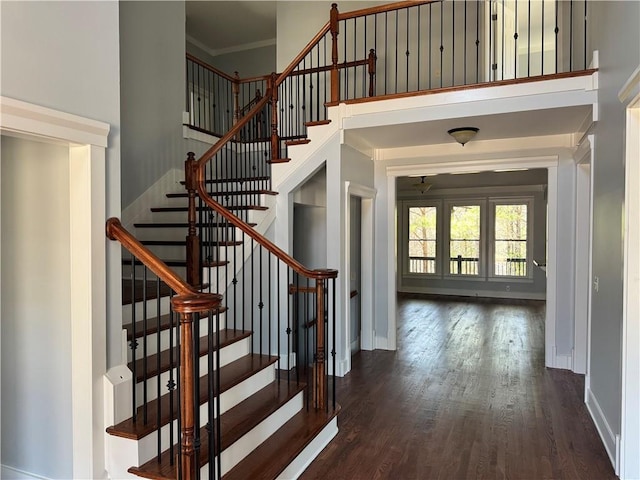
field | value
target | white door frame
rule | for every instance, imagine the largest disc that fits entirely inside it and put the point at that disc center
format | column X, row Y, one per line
column 367, row 335
column 550, row 162
column 629, row 461
column 584, row 231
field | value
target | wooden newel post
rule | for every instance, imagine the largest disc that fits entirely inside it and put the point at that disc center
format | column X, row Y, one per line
column 372, row 71
column 335, row 78
column 275, row 139
column 319, row 366
column 194, row 269
column 186, row 306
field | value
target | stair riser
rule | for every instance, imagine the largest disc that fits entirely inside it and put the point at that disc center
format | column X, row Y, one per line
column 147, row 447
column 236, row 452
column 168, row 336
column 152, row 309
column 227, row 355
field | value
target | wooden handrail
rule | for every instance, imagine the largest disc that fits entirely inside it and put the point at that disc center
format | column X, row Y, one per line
column 384, row 8
column 210, row 67
column 115, row 231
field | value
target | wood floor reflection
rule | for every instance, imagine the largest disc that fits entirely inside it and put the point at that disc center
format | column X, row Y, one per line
column 465, row 396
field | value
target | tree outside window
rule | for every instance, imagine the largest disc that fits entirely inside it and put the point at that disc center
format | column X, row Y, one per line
column 422, row 239
column 464, row 240
column 510, row 249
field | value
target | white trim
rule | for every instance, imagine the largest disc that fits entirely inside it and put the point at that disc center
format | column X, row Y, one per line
column 563, row 361
column 33, row 120
column 87, row 140
column 469, row 166
column 603, row 427
column 631, row 87
column 310, row 452
column 214, row 52
column 582, row 264
column 392, row 264
column 552, row 246
column 630, row 413
column 10, row 473
column 382, row 344
column 474, row 293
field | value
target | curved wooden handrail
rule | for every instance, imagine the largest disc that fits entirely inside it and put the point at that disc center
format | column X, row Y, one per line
column 384, row 8
column 211, row 67
column 115, row 231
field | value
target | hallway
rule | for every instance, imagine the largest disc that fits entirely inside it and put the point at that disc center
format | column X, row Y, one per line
column 466, row 395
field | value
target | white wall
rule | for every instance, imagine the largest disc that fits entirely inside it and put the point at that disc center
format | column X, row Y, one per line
column 616, row 36
column 64, row 55
column 36, row 328
column 252, row 62
column 152, row 76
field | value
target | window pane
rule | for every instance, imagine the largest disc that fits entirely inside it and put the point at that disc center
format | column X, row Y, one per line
column 464, row 240
column 510, row 258
column 422, row 239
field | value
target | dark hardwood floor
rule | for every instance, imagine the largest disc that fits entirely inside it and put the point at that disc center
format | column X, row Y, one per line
column 466, row 395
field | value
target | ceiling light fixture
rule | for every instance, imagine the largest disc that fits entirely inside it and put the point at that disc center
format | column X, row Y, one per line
column 421, row 186
column 463, row 134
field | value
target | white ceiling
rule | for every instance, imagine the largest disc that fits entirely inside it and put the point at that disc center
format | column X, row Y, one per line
column 508, row 125
column 224, row 26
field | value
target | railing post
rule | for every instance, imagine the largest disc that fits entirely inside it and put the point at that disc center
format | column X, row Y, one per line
column 194, row 269
column 186, row 306
column 319, row 367
column 335, row 78
column 275, row 139
column 372, row 71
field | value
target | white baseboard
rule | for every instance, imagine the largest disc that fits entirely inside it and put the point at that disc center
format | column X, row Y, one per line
column 155, row 196
column 311, row 451
column 10, row 473
column 381, row 343
column 474, row 293
column 604, row 429
column 563, row 361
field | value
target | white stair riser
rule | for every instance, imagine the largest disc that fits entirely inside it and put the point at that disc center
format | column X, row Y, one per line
column 146, row 448
column 227, row 355
column 152, row 309
column 236, row 452
column 166, row 336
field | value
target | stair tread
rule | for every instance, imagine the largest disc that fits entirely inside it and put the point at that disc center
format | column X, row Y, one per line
column 230, row 207
column 271, row 458
column 184, row 225
column 152, row 325
column 152, row 290
column 235, row 423
column 211, row 181
column 227, row 337
column 181, row 243
column 317, row 122
column 279, row 160
column 223, row 193
column 230, row 376
column 300, row 141
column 179, row 263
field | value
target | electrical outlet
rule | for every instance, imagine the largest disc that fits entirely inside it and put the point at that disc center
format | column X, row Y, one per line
column 596, row 284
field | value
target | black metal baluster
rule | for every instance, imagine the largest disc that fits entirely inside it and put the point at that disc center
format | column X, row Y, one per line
column 278, row 318
column 556, row 31
column 386, row 51
column 585, row 35
column 134, row 340
column 252, row 290
column 407, row 53
column 464, row 48
column 503, row 39
column 571, row 35
column 529, row 40
column 542, row 42
column 419, row 42
column 430, row 35
column 288, row 330
column 269, row 344
column 171, row 384
column 453, row 43
column 396, row 53
column 515, row 44
column 333, row 348
column 441, row 42
column 211, row 395
column 158, row 386
column 218, row 408
column 261, row 300
column 145, row 357
column 478, row 41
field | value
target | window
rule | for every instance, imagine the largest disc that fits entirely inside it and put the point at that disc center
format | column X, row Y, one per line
column 464, row 240
column 422, row 239
column 510, row 249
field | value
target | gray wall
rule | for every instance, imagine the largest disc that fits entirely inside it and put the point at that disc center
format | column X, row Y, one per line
column 35, row 330
column 619, row 56
column 248, row 63
column 152, row 77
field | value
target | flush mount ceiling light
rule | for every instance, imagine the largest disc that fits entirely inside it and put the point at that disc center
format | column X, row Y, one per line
column 421, row 186
column 463, row 134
